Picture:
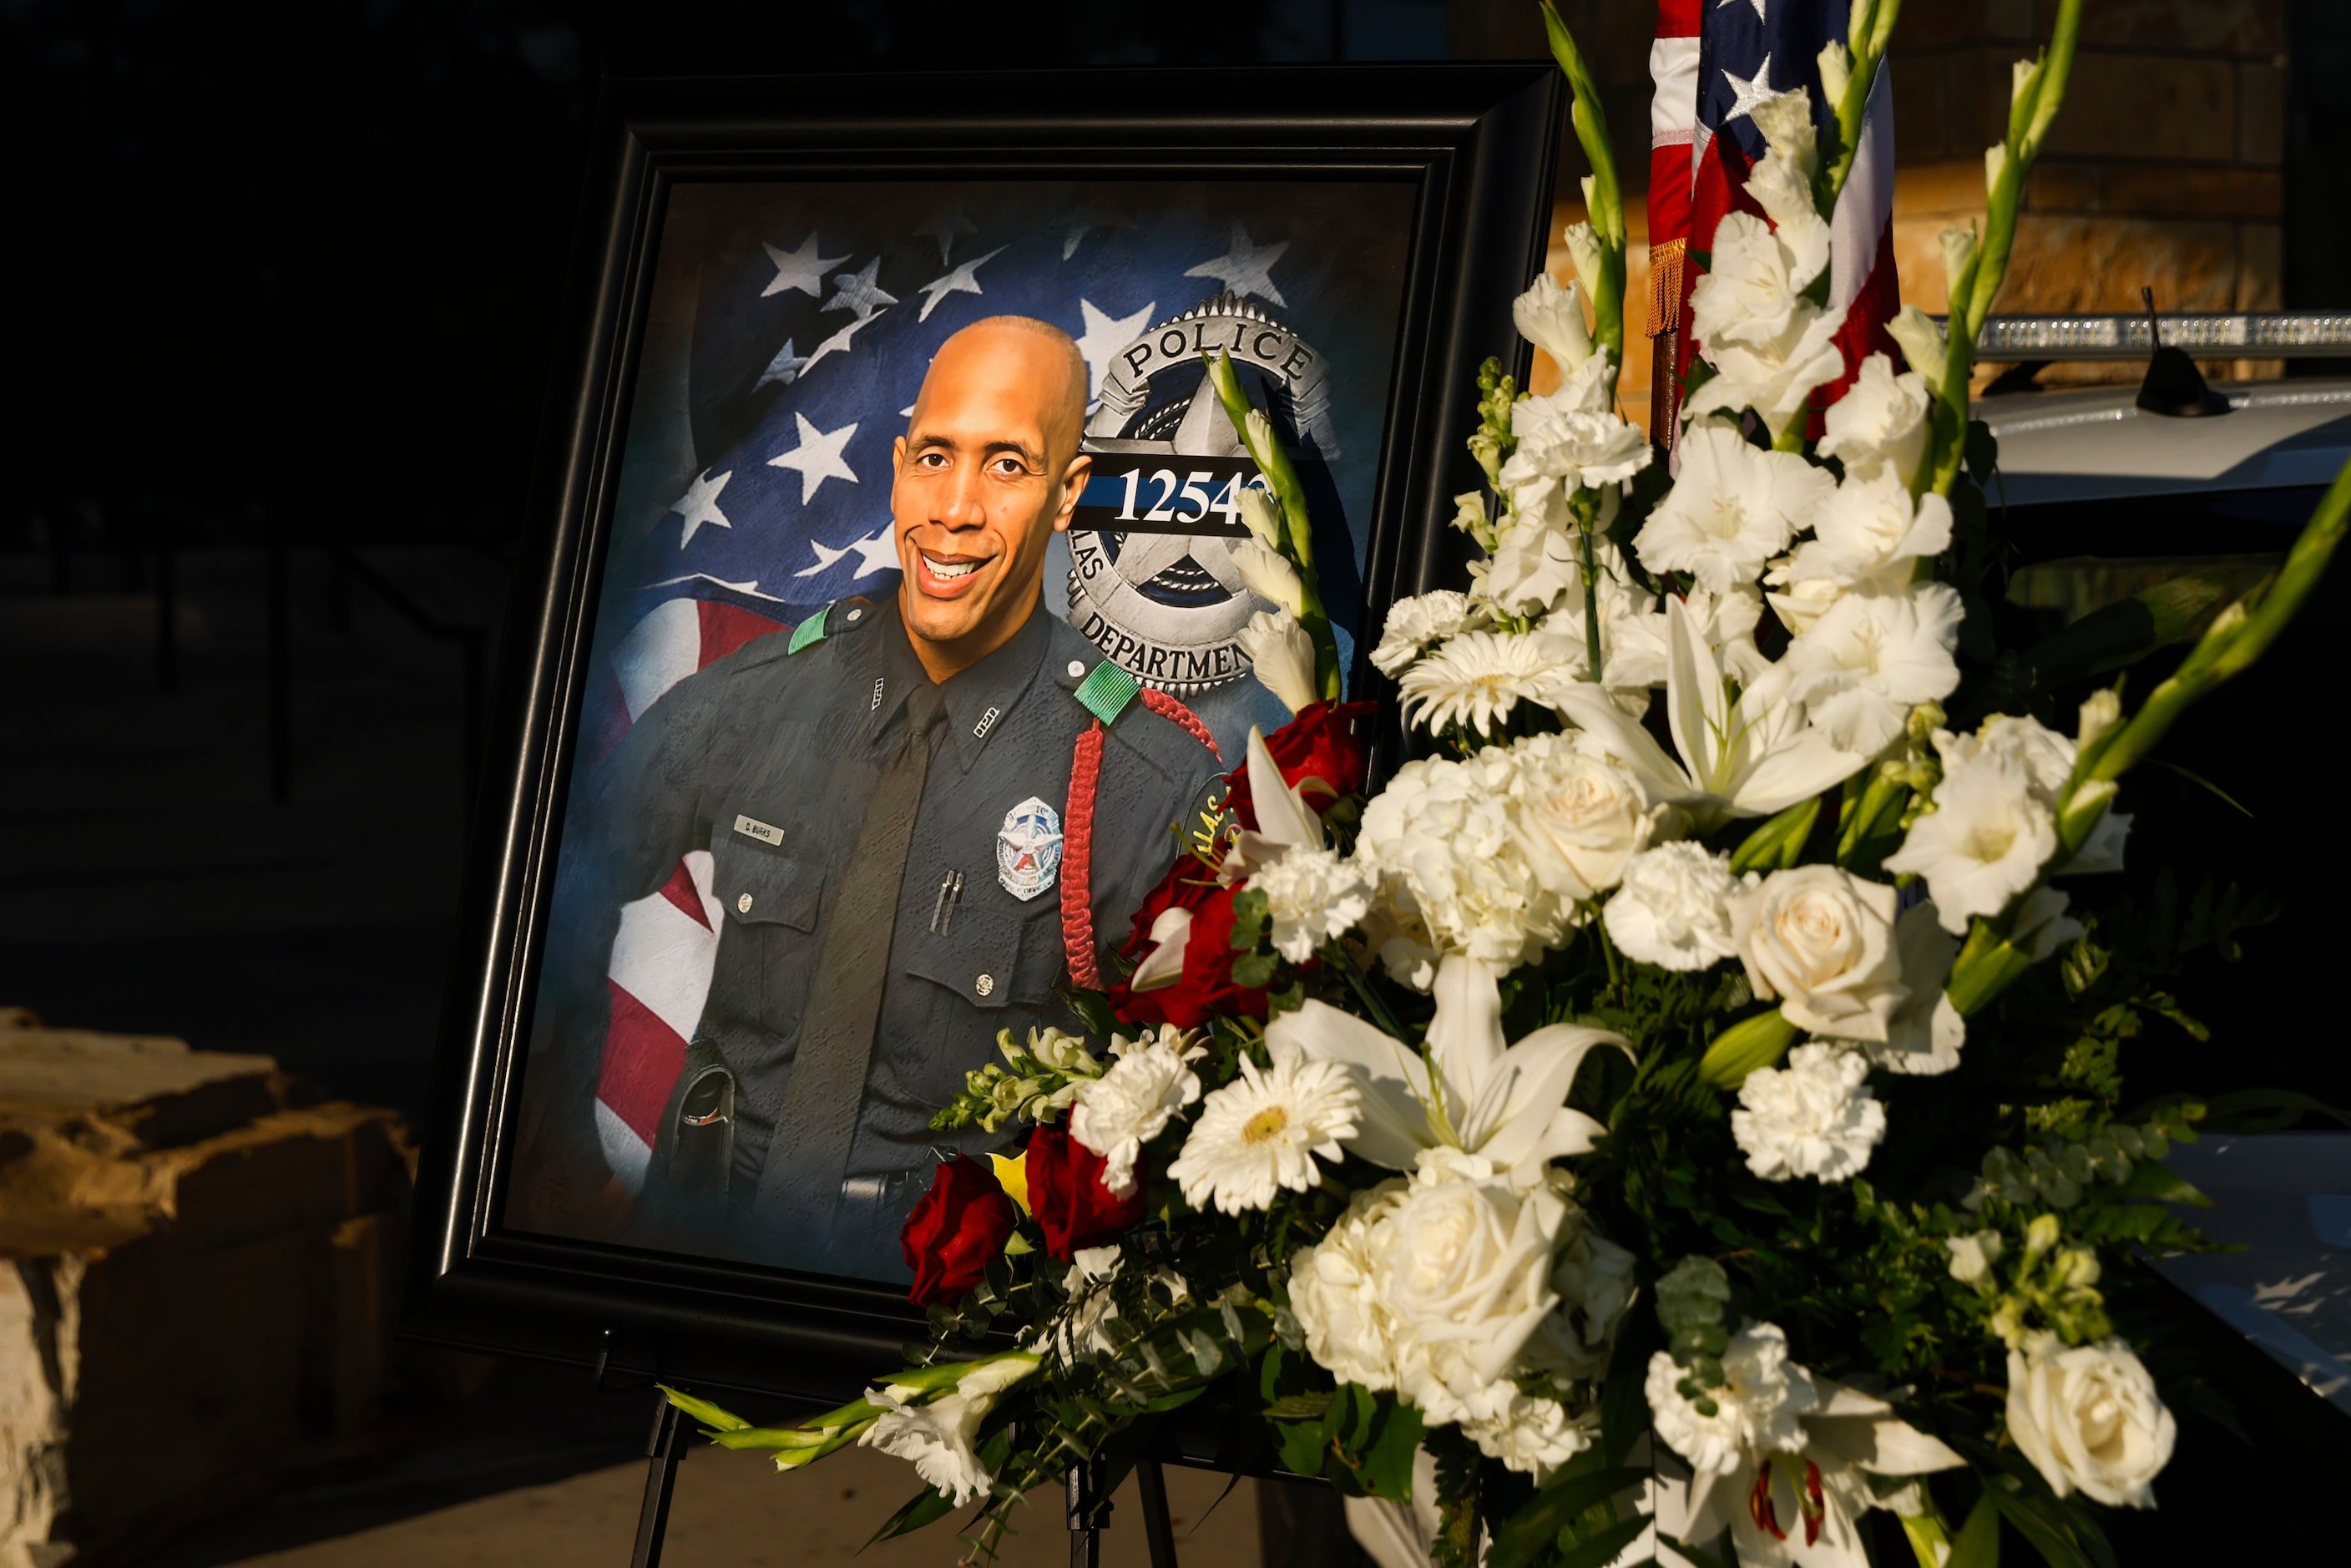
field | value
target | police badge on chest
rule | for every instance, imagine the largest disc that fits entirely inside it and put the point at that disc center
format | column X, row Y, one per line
column 1028, row 849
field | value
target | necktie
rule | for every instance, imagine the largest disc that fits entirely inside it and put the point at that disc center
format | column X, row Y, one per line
column 817, row 1123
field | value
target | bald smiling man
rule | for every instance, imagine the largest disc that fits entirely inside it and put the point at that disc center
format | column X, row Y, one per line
column 886, row 796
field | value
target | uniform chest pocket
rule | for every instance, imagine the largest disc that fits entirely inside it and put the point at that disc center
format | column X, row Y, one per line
column 772, row 903
column 995, row 958
column 758, row 886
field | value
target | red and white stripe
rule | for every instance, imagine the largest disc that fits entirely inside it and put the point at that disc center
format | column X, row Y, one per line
column 668, row 944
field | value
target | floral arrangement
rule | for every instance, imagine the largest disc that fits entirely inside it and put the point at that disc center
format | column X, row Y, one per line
column 1686, row 1100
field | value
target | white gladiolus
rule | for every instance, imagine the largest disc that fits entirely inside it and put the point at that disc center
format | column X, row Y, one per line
column 1731, row 509
column 1163, row 965
column 1538, row 563
column 1880, row 423
column 1781, row 183
column 1261, row 1134
column 2089, row 1419
column 1958, row 254
column 1261, row 513
column 1269, row 575
column 1282, row 656
column 1415, row 623
column 1115, row 1115
column 1815, row 1117
column 1551, row 318
column 1769, row 344
column 1672, row 908
column 1871, row 658
column 939, row 1438
column 1583, row 248
column 1987, row 838
column 1871, row 531
column 1974, row 1256
column 1313, row 897
column 1920, row 336
column 1924, row 1035
column 1995, row 165
column 1821, row 940
column 1836, row 70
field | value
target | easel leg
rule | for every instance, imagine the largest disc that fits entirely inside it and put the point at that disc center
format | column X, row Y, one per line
column 663, row 1451
column 1158, row 1530
column 1085, row 1534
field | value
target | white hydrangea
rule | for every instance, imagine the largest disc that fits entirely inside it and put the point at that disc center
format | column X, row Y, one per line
column 1759, row 1408
column 1673, row 907
column 1115, row 1115
column 1312, row 895
column 1441, row 840
column 1815, row 1117
column 1335, row 1296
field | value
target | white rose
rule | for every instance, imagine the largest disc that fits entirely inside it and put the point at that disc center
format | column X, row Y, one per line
column 1822, row 940
column 1551, row 318
column 1812, row 1118
column 1463, row 1262
column 1758, row 1410
column 2089, row 1419
column 1987, row 838
column 1115, row 1115
column 1282, row 656
column 1673, row 907
column 1335, row 1297
column 1312, row 895
column 1579, row 818
column 1879, row 425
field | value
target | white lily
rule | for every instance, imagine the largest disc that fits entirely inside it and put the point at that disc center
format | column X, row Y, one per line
column 1284, row 821
column 1472, row 1091
column 1744, row 755
column 1804, row 1508
column 1163, row 965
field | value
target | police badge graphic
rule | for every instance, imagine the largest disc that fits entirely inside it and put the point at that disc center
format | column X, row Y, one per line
column 1028, row 849
column 1151, row 580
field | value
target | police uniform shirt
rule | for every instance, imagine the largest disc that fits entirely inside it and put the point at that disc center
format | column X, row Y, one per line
column 767, row 757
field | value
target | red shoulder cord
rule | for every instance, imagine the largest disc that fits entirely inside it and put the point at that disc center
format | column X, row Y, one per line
column 1078, row 858
column 1078, row 831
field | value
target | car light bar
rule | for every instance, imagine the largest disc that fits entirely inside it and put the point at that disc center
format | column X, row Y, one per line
column 2259, row 334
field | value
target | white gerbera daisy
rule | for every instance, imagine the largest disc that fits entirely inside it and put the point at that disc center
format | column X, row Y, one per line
column 1479, row 677
column 1258, row 1133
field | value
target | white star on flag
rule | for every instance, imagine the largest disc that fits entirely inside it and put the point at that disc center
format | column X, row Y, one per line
column 784, row 367
column 838, row 343
column 876, row 552
column 1246, row 268
column 816, row 457
column 964, row 279
column 803, row 269
column 1105, row 335
column 1751, row 90
column 943, row 226
column 699, row 505
column 1757, row 3
column 857, row 291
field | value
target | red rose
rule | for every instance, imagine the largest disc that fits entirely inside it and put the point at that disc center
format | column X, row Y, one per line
column 1325, row 742
column 1067, row 1195
column 1207, row 987
column 960, row 1224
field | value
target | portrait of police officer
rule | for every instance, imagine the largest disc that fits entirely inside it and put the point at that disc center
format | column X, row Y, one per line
column 887, row 797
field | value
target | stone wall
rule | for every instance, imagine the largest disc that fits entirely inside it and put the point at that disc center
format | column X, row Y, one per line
column 2165, row 168
column 198, row 1281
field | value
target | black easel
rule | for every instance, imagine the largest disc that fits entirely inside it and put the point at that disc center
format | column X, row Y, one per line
column 663, row 1449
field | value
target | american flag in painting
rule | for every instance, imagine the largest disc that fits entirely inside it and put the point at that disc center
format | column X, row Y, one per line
column 790, row 330
column 1712, row 61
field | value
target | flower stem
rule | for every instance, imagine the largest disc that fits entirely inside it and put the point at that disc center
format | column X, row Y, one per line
column 1345, row 963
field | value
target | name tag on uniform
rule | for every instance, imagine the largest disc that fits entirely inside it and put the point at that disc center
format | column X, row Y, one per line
column 752, row 828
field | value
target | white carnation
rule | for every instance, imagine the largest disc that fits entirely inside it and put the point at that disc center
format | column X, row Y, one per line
column 1415, row 623
column 1259, row 1134
column 1987, row 838
column 1821, row 940
column 1312, row 895
column 1759, row 1408
column 1812, row 1118
column 1115, row 1115
column 2089, row 1419
column 1732, row 508
column 1673, row 908
column 1879, row 425
column 1532, row 1435
column 1566, row 443
column 1864, row 665
column 1441, row 839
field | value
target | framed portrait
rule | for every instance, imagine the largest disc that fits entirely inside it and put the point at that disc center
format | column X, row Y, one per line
column 888, row 629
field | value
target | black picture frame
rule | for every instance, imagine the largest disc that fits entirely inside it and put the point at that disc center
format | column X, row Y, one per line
column 1480, row 142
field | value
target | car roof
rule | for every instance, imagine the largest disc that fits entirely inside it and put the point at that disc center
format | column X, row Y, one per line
column 2097, row 444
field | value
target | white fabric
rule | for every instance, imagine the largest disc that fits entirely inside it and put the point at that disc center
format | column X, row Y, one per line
column 663, row 956
column 660, row 651
column 1672, row 111
column 629, row 1156
column 1865, row 206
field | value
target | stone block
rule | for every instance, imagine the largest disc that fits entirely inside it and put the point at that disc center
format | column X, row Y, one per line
column 2146, row 107
column 2204, row 26
column 2260, row 112
column 198, row 1278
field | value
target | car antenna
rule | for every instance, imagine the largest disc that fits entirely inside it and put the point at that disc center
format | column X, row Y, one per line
column 2174, row 387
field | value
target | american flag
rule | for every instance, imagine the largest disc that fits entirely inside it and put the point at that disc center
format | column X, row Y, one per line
column 1712, row 60
column 791, row 329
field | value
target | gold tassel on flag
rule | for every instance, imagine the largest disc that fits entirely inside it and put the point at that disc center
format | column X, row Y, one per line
column 1665, row 336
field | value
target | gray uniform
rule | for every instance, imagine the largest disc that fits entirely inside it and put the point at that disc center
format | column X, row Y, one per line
column 767, row 758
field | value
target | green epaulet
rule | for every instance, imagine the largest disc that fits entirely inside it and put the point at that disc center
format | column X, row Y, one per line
column 1106, row 691
column 809, row 632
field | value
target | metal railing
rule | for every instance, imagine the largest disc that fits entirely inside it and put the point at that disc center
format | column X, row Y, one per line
column 2240, row 335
